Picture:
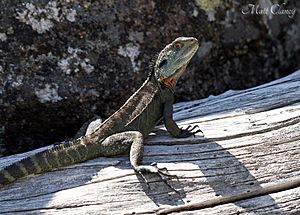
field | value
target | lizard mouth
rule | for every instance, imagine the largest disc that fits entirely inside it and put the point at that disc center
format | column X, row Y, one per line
column 171, row 80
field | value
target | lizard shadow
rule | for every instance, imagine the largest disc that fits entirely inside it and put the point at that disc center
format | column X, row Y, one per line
column 160, row 191
column 219, row 169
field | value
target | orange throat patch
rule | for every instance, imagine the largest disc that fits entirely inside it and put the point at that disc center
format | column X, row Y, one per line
column 167, row 81
column 171, row 81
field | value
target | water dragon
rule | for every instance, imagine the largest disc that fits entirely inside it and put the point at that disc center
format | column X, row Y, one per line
column 124, row 131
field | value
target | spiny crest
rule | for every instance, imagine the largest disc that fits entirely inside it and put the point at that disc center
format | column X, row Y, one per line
column 153, row 60
column 152, row 63
column 64, row 145
column 60, row 146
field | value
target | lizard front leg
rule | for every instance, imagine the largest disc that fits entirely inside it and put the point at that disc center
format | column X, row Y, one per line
column 133, row 141
column 171, row 125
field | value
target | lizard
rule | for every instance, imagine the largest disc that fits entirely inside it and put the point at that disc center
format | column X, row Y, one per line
column 124, row 131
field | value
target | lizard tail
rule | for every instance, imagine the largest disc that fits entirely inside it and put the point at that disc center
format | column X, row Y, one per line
column 44, row 161
column 19, row 169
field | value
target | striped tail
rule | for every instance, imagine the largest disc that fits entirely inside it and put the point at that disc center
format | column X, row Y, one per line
column 50, row 159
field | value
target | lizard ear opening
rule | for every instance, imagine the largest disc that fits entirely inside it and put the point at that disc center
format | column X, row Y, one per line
column 162, row 63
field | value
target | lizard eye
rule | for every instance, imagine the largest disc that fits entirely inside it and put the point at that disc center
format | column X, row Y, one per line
column 164, row 62
column 178, row 45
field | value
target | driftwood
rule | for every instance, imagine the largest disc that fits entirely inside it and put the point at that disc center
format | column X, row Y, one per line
column 251, row 140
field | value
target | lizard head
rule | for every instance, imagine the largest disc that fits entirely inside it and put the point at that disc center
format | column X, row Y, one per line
column 173, row 59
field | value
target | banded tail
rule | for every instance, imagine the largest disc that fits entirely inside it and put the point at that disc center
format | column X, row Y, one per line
column 62, row 155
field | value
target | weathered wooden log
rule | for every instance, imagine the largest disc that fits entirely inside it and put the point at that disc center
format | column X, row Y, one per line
column 251, row 141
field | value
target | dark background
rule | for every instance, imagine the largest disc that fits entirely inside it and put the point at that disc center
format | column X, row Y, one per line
column 62, row 62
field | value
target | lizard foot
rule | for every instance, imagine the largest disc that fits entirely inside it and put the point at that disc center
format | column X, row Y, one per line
column 190, row 130
column 162, row 173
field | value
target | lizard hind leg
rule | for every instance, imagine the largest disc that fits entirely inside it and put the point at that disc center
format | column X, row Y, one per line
column 136, row 157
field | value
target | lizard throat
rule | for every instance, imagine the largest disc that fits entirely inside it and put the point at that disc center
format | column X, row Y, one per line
column 171, row 80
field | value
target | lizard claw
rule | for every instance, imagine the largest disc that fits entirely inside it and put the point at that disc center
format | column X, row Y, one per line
column 162, row 173
column 190, row 130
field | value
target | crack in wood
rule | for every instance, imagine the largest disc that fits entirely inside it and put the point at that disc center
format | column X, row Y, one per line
column 266, row 190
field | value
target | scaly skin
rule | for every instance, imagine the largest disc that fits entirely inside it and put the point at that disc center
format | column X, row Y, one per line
column 124, row 131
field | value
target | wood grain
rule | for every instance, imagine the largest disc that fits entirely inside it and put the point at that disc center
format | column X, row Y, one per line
column 251, row 140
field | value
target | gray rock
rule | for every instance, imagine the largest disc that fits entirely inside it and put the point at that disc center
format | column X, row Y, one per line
column 62, row 62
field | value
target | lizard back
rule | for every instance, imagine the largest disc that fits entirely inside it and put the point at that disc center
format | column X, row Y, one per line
column 140, row 112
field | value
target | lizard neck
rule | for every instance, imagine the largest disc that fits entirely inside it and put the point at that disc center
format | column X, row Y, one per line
column 160, row 85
